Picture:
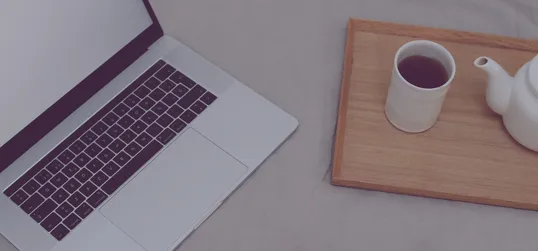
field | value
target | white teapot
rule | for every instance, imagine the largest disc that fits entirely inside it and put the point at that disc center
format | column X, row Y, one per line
column 515, row 98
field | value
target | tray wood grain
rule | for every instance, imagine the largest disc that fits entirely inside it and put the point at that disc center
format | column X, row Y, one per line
column 466, row 156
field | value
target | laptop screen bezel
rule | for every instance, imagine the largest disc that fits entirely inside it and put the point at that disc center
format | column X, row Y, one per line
column 83, row 91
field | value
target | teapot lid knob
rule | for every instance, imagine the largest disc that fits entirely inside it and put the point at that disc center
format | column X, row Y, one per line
column 533, row 75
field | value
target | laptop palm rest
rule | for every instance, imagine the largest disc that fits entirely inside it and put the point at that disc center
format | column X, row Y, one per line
column 174, row 192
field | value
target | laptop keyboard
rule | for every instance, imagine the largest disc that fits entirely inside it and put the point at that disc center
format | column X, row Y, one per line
column 75, row 178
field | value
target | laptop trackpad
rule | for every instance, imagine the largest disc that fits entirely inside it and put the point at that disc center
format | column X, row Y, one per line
column 174, row 192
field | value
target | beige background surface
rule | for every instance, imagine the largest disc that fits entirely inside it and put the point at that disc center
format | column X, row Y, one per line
column 291, row 51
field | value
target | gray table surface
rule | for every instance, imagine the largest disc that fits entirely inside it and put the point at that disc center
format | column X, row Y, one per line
column 291, row 51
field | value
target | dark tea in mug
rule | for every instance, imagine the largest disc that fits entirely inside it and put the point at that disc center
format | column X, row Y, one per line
column 423, row 72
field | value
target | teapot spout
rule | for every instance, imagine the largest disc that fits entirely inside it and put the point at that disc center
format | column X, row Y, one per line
column 500, row 84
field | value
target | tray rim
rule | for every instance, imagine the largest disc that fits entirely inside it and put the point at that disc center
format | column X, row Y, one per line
column 419, row 32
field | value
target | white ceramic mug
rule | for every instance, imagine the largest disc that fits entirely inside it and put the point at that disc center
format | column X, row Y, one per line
column 414, row 109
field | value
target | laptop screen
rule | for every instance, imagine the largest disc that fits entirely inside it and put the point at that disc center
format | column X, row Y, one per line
column 48, row 47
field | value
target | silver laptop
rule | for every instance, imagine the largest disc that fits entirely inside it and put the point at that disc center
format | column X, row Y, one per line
column 113, row 136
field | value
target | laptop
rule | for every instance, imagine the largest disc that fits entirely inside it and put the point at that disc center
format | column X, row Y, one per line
column 113, row 135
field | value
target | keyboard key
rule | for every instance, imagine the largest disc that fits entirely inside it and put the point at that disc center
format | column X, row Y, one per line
column 87, row 189
column 58, row 180
column 60, row 196
column 99, row 178
column 104, row 140
column 180, row 90
column 188, row 116
column 32, row 203
column 122, row 159
column 132, row 167
column 72, row 185
column 175, row 111
column 149, row 117
column 105, row 156
column 147, row 103
column 117, row 146
column 43, row 211
column 157, row 94
column 47, row 190
column 66, row 156
column 164, row 120
column 54, row 166
column 60, row 232
column 70, row 170
column 31, row 186
column 51, row 222
column 99, row 128
column 83, row 175
column 72, row 221
column 121, row 109
column 95, row 165
column 132, row 100
column 165, row 72
column 136, row 112
column 83, row 159
column 158, row 65
column 191, row 96
column 198, row 107
column 93, row 150
column 88, row 137
column 142, row 91
column 126, row 121
column 43, row 176
column 159, row 108
column 138, row 127
column 110, row 119
column 177, row 77
column 154, row 130
column 178, row 125
column 153, row 69
column 152, row 83
column 166, row 136
column 167, row 85
column 208, row 98
column 76, row 199
column 19, row 197
column 111, row 168
column 84, row 210
column 143, row 139
column 170, row 99
column 97, row 198
column 128, row 136
column 188, row 82
column 77, row 147
column 64, row 210
column 133, row 149
column 115, row 131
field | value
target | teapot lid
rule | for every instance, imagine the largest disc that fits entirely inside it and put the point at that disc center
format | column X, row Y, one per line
column 533, row 74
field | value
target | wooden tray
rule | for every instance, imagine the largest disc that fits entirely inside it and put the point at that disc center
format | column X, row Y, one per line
column 467, row 155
